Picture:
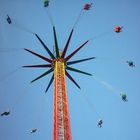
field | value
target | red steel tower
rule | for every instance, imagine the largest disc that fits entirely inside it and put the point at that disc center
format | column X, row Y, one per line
column 59, row 65
column 61, row 114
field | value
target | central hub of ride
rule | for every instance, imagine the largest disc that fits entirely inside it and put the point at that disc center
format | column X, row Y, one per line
column 62, row 60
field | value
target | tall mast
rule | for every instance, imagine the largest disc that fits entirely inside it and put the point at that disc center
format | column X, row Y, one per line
column 61, row 129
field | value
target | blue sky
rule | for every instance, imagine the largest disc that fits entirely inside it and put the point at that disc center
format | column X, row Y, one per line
column 29, row 105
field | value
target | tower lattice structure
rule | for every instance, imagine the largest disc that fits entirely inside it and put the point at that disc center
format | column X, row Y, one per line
column 62, row 130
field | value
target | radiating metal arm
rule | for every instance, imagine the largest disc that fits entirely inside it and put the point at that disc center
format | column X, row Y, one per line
column 70, row 77
column 44, row 74
column 67, row 44
column 73, row 53
column 40, row 56
column 38, row 66
column 46, row 48
column 56, row 44
column 76, row 70
column 52, row 78
column 81, row 60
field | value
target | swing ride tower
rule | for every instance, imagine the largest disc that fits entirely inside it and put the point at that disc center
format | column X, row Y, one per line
column 59, row 65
